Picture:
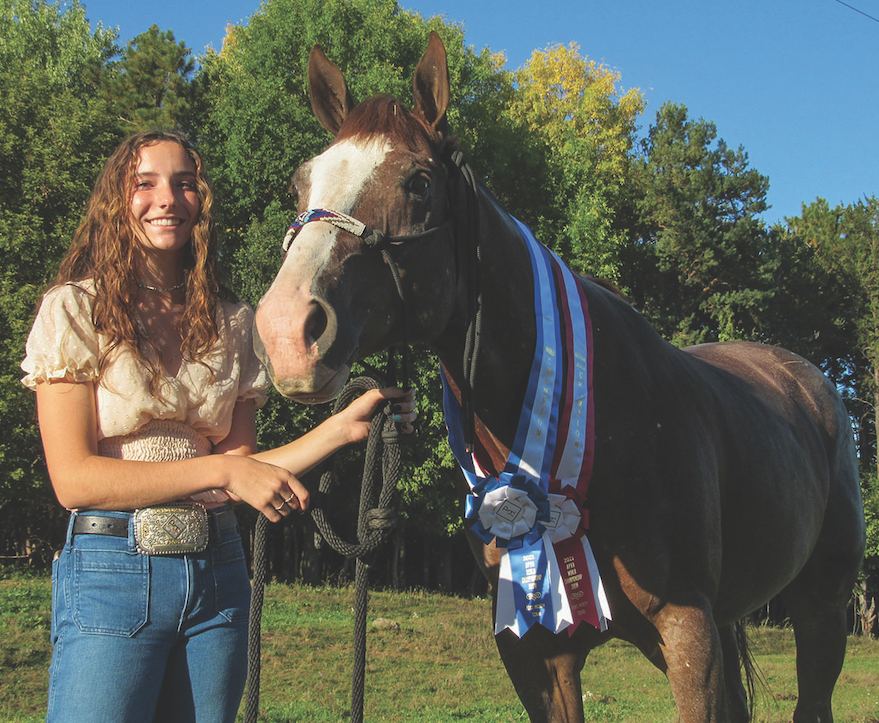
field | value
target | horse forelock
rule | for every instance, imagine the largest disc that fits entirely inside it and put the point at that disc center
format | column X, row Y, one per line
column 384, row 115
column 337, row 177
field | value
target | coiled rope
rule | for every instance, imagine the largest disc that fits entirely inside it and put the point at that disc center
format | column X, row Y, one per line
column 381, row 471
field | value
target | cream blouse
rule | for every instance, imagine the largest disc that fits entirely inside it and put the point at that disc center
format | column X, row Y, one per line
column 189, row 413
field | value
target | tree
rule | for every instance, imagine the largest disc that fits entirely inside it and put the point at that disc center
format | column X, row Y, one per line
column 698, row 243
column 54, row 134
column 845, row 241
column 584, row 129
column 150, row 87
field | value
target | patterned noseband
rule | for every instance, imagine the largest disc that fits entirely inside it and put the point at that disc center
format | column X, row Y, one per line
column 371, row 237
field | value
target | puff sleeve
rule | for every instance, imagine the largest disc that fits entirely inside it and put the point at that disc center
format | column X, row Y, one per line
column 254, row 379
column 63, row 343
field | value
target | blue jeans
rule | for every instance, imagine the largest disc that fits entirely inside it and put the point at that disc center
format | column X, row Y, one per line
column 140, row 638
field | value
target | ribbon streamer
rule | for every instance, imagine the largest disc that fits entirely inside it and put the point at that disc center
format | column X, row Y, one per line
column 535, row 509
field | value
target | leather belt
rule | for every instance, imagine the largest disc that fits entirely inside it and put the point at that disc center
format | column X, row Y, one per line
column 85, row 524
column 100, row 525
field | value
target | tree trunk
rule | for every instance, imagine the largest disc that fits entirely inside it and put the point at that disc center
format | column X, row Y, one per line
column 865, row 608
column 444, row 566
column 875, row 430
column 425, row 563
column 398, row 560
column 311, row 566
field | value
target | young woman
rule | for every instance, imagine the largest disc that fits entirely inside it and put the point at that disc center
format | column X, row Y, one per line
column 147, row 387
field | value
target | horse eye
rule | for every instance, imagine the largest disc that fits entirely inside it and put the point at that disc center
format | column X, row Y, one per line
column 419, row 186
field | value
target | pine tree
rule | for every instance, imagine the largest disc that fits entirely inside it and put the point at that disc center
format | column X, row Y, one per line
column 150, row 87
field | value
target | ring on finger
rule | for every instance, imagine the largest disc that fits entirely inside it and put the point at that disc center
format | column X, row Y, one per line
column 289, row 499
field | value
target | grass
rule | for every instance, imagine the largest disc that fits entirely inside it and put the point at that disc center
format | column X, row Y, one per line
column 432, row 660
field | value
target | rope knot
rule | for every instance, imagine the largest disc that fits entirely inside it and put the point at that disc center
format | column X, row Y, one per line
column 374, row 238
column 379, row 518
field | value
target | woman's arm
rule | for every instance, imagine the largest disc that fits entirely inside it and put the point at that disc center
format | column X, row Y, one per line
column 83, row 479
column 348, row 426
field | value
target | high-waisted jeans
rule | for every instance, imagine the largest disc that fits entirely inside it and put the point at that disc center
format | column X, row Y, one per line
column 141, row 638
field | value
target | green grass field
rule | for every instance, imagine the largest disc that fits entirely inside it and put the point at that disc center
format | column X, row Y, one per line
column 430, row 659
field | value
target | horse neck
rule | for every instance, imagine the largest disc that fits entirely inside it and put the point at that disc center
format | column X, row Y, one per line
column 507, row 334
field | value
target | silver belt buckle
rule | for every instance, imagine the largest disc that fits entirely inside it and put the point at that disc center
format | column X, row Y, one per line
column 174, row 529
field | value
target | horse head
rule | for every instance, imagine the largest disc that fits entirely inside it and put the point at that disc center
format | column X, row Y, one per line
column 374, row 204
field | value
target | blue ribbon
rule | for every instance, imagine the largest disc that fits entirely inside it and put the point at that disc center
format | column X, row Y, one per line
column 525, row 593
column 535, row 494
column 531, row 585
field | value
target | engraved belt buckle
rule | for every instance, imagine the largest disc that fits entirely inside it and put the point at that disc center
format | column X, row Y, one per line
column 178, row 528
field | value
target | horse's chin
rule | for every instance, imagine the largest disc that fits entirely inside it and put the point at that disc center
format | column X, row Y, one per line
column 316, row 390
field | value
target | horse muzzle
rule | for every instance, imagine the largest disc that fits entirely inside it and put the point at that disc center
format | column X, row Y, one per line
column 292, row 337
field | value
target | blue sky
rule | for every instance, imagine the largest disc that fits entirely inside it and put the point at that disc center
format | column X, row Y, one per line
column 794, row 82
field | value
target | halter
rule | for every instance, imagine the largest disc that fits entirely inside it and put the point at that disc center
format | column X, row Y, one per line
column 466, row 225
column 373, row 238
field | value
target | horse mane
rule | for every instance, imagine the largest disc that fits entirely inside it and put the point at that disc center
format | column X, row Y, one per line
column 610, row 286
column 384, row 115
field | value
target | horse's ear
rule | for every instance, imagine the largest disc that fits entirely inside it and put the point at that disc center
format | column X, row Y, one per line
column 430, row 84
column 330, row 99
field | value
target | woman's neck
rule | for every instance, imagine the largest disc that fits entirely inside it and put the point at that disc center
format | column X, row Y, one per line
column 160, row 275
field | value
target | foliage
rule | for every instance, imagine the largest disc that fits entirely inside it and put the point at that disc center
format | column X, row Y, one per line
column 699, row 241
column 54, row 133
column 576, row 121
column 150, row 87
column 870, row 485
column 845, row 242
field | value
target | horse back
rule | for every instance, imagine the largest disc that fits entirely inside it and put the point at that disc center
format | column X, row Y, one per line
column 788, row 481
column 721, row 470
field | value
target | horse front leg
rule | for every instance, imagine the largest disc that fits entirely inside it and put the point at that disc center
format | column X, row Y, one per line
column 693, row 654
column 545, row 671
column 543, row 667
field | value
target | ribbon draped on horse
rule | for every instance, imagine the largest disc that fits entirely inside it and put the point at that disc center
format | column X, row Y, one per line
column 535, row 509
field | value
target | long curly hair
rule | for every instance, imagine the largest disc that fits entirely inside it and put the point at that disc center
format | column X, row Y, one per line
column 104, row 250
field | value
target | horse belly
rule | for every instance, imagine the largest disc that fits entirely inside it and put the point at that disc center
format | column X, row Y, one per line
column 774, row 495
column 759, row 560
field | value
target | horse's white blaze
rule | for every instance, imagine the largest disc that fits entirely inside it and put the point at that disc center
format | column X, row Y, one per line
column 337, row 179
column 339, row 174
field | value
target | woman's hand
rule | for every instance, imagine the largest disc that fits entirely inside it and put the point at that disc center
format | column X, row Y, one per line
column 348, row 426
column 357, row 416
column 268, row 489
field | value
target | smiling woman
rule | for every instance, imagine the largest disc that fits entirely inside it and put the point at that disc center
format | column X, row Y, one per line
column 165, row 203
column 147, row 386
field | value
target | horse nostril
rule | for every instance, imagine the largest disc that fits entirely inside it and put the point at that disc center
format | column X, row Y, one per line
column 315, row 324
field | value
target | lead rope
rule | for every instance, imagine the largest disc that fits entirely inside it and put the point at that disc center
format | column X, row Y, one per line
column 375, row 520
column 373, row 525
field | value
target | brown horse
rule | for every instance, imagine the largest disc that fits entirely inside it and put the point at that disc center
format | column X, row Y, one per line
column 723, row 474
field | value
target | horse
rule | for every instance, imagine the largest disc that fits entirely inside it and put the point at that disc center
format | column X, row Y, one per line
column 723, row 475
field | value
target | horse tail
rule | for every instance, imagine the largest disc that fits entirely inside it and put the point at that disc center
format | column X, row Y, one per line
column 749, row 667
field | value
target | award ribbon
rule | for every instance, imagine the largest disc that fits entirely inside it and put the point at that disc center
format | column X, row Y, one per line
column 534, row 509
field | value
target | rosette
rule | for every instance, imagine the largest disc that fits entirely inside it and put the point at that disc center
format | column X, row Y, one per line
column 547, row 573
column 510, row 509
column 565, row 518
